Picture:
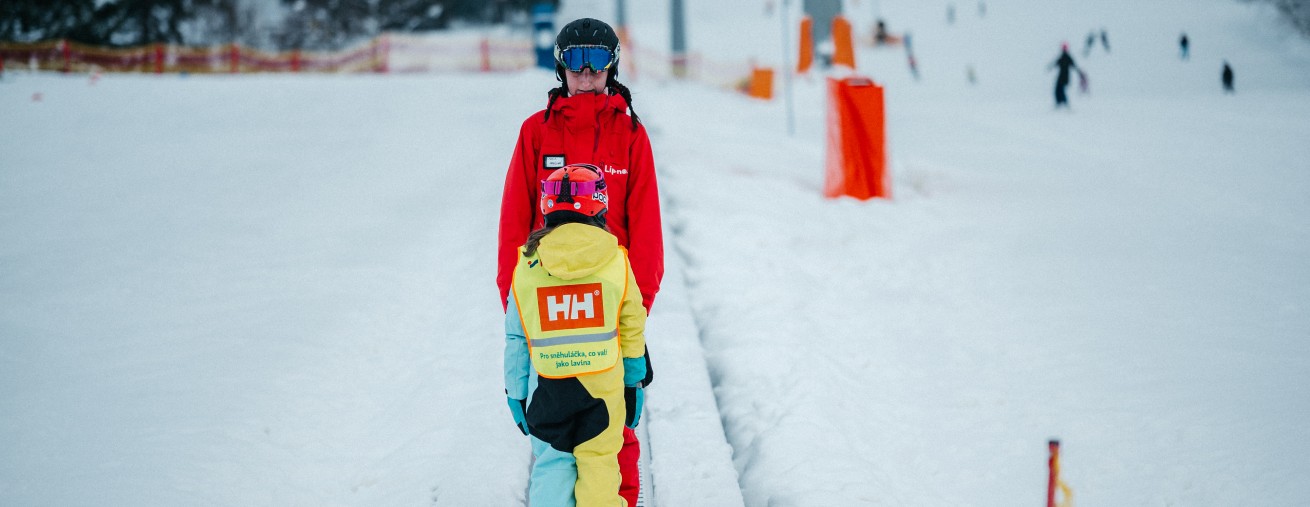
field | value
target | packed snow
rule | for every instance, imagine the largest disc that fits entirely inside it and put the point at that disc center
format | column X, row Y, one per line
column 279, row 290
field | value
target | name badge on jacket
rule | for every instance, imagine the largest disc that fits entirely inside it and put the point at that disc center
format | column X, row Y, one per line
column 552, row 161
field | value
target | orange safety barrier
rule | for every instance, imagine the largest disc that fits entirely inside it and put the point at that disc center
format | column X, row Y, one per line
column 385, row 53
column 843, row 51
column 806, row 46
column 761, row 83
column 857, row 141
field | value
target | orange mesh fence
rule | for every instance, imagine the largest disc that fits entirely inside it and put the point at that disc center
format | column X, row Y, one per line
column 390, row 53
column 658, row 65
column 459, row 53
column 385, row 53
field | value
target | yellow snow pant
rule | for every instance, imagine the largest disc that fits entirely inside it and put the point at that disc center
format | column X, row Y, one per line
column 582, row 417
column 598, row 458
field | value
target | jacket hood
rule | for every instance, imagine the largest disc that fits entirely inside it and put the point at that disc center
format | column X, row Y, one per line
column 573, row 251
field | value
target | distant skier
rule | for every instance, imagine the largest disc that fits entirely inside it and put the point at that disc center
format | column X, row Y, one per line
column 1105, row 40
column 1064, row 63
column 909, row 56
column 1228, row 78
column 1183, row 44
column 1091, row 43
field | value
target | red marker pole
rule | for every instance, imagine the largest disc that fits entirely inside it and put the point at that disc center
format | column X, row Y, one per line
column 67, row 53
column 1054, row 465
column 485, row 49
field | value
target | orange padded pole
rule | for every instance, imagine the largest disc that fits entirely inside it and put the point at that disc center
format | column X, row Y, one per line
column 843, row 47
column 806, row 46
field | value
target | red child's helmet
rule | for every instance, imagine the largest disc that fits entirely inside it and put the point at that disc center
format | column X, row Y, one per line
column 579, row 188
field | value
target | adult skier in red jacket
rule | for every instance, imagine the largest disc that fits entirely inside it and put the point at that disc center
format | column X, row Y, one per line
column 587, row 120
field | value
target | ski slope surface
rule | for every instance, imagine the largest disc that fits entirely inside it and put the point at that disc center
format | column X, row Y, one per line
column 279, row 290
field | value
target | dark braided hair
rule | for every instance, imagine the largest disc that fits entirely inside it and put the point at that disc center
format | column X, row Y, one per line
column 610, row 82
column 626, row 94
column 555, row 93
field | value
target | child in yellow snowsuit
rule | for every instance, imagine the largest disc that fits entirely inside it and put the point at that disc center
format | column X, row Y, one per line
column 574, row 340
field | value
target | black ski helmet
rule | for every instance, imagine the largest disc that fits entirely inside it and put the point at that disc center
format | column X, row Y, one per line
column 587, row 32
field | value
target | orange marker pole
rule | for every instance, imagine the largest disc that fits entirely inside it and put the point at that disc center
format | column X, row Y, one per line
column 68, row 55
column 384, row 59
column 806, row 57
column 486, row 55
column 1054, row 465
column 843, row 46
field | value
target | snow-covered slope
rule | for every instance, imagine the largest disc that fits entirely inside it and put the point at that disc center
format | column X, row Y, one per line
column 277, row 290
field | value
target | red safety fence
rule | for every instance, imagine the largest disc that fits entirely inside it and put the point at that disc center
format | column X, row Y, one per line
column 460, row 52
column 437, row 52
column 385, row 53
column 656, row 64
column 451, row 51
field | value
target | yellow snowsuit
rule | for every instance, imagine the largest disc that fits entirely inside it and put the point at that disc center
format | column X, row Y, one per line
column 581, row 314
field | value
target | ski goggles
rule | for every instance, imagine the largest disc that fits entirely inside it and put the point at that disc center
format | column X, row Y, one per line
column 575, row 187
column 575, row 58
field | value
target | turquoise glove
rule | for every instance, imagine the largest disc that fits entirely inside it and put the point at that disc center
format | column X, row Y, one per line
column 635, row 399
column 634, row 371
column 516, row 408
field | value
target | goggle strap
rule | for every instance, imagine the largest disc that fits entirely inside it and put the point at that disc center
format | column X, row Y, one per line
column 576, row 187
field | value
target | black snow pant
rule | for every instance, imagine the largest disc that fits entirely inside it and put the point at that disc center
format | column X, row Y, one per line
column 1061, row 99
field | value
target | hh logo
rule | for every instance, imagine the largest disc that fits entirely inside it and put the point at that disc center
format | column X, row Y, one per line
column 570, row 307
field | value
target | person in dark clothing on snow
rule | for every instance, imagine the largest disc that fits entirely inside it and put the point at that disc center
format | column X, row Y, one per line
column 1228, row 78
column 1105, row 40
column 1183, row 44
column 1091, row 43
column 1064, row 63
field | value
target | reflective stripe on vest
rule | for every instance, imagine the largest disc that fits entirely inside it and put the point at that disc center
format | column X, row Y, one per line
column 571, row 325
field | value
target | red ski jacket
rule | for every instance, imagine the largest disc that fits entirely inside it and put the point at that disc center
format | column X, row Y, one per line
column 595, row 129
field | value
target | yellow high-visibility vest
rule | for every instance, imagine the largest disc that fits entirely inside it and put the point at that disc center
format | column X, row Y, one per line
column 571, row 325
